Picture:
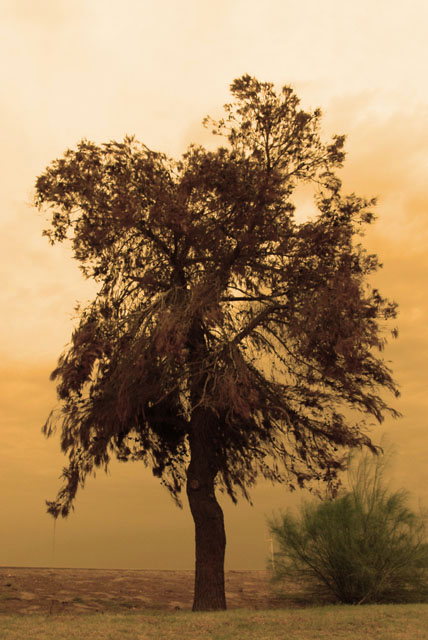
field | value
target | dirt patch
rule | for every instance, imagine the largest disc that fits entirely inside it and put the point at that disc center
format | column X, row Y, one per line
column 57, row 591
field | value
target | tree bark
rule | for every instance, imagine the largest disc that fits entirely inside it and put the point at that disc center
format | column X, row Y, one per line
column 210, row 537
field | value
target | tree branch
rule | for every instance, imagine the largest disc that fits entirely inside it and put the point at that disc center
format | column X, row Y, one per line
column 256, row 321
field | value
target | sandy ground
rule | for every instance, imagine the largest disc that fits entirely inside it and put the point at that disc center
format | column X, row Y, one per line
column 43, row 590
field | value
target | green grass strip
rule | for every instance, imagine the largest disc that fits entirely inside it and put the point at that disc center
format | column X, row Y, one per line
column 378, row 622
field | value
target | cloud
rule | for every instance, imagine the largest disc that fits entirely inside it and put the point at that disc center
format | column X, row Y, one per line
column 49, row 14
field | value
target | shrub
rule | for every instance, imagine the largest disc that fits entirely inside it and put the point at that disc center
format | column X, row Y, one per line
column 366, row 545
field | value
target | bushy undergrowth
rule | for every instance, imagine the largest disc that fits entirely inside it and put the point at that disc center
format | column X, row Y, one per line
column 366, row 545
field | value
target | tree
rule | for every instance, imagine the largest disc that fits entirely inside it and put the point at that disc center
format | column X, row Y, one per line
column 225, row 339
column 366, row 545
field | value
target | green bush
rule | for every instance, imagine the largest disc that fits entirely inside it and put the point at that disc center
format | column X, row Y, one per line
column 366, row 545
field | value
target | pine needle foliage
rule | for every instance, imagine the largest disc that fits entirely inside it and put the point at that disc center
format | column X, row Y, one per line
column 214, row 300
column 366, row 545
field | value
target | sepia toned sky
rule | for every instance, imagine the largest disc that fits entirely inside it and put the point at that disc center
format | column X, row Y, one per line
column 154, row 68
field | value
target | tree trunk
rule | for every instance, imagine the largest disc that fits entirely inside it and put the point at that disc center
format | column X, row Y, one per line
column 210, row 537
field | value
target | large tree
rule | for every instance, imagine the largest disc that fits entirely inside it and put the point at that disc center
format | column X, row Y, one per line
column 227, row 341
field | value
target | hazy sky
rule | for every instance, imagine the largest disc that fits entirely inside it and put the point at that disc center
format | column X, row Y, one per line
column 154, row 68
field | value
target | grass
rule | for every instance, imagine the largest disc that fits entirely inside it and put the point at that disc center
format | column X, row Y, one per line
column 376, row 622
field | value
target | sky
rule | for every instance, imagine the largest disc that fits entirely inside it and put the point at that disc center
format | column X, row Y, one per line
column 73, row 69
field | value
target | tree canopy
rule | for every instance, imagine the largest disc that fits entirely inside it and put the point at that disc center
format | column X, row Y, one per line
column 214, row 300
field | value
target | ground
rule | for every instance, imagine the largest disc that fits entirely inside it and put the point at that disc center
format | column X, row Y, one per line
column 43, row 590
